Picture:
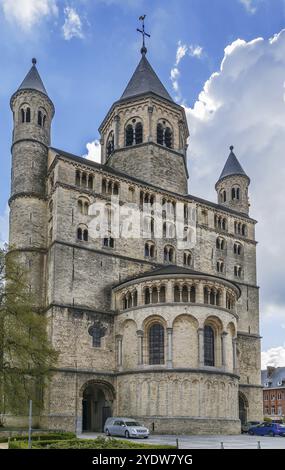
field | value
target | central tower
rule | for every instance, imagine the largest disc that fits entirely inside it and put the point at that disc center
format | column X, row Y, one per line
column 145, row 132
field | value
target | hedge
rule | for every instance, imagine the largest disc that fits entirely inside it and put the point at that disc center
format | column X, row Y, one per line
column 99, row 443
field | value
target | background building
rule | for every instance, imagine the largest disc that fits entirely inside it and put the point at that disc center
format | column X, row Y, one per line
column 273, row 381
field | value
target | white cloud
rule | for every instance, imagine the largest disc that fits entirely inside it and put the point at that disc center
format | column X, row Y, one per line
column 72, row 27
column 181, row 51
column 273, row 357
column 195, row 51
column 94, row 151
column 27, row 13
column 249, row 5
column 4, row 227
column 243, row 104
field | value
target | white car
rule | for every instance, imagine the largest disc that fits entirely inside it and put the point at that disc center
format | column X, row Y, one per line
column 126, row 427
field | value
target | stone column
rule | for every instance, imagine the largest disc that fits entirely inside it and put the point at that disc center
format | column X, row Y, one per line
column 116, row 137
column 224, row 298
column 119, row 351
column 235, row 366
column 201, row 346
column 169, row 292
column 140, row 347
column 200, row 293
column 150, row 111
column 169, row 347
column 224, row 354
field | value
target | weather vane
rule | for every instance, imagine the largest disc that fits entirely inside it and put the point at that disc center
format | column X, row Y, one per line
column 142, row 31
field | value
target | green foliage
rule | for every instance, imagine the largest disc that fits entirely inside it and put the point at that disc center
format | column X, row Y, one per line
column 51, row 436
column 99, row 443
column 26, row 355
column 267, row 420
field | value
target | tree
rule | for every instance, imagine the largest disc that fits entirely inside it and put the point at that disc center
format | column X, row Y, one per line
column 26, row 354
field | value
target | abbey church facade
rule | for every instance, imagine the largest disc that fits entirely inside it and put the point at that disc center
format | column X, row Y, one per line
column 159, row 327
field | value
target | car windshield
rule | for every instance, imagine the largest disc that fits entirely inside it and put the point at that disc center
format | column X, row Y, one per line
column 132, row 423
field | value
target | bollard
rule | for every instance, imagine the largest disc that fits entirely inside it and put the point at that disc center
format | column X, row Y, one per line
column 222, row 445
column 258, row 445
column 177, row 443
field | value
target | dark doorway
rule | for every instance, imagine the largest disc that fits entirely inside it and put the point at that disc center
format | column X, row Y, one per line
column 242, row 409
column 96, row 408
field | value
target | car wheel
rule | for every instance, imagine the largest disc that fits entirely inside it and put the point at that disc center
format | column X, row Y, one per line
column 271, row 434
column 127, row 434
column 251, row 433
column 108, row 432
column 146, row 437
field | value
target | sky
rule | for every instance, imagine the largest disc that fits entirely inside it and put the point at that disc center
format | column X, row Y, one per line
column 223, row 60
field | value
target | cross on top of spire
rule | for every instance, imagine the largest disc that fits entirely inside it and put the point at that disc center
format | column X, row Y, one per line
column 142, row 31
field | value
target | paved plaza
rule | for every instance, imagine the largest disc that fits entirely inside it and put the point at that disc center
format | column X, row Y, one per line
column 209, row 442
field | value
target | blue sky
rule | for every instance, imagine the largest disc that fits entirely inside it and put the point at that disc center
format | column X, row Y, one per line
column 87, row 51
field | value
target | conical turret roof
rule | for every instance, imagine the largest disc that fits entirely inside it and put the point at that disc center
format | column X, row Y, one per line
column 32, row 80
column 232, row 167
column 145, row 80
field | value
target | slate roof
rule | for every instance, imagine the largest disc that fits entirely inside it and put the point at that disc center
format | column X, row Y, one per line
column 33, row 81
column 145, row 80
column 173, row 269
column 278, row 374
column 232, row 167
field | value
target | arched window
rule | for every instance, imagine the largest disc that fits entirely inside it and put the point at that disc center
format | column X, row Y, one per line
column 220, row 266
column 156, row 344
column 235, row 193
column 110, row 144
column 129, row 135
column 78, row 178
column 238, row 271
column 187, row 258
column 25, row 114
column 155, row 295
column 168, row 137
column 237, row 249
column 40, row 118
column 108, row 242
column 79, row 233
column 169, row 254
column 177, row 294
column 164, row 134
column 138, row 133
column 147, row 296
column 220, row 243
column 83, row 206
column 134, row 133
column 84, row 180
column 85, row 235
column 28, row 115
column 159, row 134
column 223, row 196
column 209, row 346
column 90, row 182
column 149, row 250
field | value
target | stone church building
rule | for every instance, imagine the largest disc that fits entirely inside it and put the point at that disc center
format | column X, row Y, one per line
column 154, row 327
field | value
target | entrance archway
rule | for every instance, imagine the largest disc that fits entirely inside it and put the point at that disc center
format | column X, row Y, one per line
column 243, row 408
column 97, row 405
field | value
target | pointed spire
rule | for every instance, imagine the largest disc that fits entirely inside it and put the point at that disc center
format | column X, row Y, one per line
column 33, row 81
column 232, row 166
column 145, row 80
